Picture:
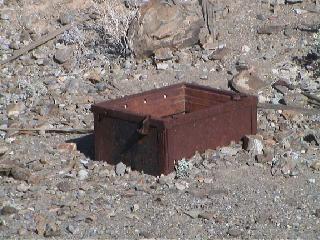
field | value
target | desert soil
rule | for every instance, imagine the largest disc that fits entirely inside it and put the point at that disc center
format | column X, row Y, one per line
column 50, row 185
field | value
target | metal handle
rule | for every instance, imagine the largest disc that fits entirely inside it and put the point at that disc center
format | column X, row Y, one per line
column 145, row 128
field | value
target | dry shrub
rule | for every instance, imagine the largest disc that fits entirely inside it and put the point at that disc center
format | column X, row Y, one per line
column 114, row 22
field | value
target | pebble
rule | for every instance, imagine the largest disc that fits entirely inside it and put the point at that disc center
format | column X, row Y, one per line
column 63, row 55
column 8, row 210
column 120, row 169
column 15, row 109
column 181, row 186
column 316, row 165
column 247, row 81
column 52, row 230
column 163, row 54
column 4, row 16
column 67, row 147
column 245, row 49
column 207, row 215
column 71, row 229
column 253, row 144
column 65, row 186
column 270, row 29
column 135, row 208
column 14, row 46
column 20, row 174
column 204, row 77
column 312, row 180
column 3, row 150
column 83, row 174
column 23, row 187
column 233, row 232
column 66, row 18
column 162, row 66
column 231, row 151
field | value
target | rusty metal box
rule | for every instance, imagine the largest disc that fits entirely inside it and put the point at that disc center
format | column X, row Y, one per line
column 151, row 130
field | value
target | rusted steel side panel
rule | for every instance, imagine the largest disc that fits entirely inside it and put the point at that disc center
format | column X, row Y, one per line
column 209, row 133
column 118, row 141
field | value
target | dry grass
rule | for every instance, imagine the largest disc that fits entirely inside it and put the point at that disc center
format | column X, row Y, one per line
column 114, row 21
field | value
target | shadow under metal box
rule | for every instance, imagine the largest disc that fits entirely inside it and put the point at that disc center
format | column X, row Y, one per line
column 151, row 130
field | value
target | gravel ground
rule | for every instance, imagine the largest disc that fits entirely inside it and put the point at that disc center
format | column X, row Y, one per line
column 50, row 185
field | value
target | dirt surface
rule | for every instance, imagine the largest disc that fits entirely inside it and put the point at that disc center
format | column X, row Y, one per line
column 50, row 185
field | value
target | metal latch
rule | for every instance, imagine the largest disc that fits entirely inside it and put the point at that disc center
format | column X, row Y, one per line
column 145, row 128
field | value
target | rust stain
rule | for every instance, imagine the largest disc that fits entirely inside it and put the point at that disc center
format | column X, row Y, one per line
column 150, row 130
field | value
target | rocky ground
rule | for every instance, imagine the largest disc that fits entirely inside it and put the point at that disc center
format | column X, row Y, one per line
column 50, row 185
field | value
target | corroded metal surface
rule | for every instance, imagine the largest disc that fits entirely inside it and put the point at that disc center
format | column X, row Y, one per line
column 149, row 131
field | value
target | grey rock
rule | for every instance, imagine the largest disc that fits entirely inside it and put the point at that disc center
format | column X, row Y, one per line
column 72, row 86
column 63, row 55
column 270, row 29
column 234, row 232
column 162, row 66
column 181, row 186
column 83, row 174
column 101, row 86
column 204, row 77
column 120, row 169
column 247, row 81
column 52, row 230
column 163, row 54
column 269, row 54
column 65, row 186
column 261, row 17
column 72, row 229
column 253, row 144
column 207, row 215
column 20, row 174
column 22, row 187
column 66, row 18
column 135, row 208
column 8, row 210
column 15, row 109
column 25, row 36
column 4, row 16
column 3, row 150
column 231, row 151
column 14, row 46
column 289, row 32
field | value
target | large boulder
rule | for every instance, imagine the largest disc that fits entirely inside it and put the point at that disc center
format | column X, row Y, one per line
column 164, row 25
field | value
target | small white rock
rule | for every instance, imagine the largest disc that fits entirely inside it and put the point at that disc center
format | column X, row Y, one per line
column 135, row 208
column 162, row 66
column 245, row 48
column 120, row 169
column 181, row 185
column 22, row 187
column 312, row 180
column 83, row 174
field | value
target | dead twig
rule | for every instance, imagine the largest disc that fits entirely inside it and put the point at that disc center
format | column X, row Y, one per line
column 290, row 87
column 287, row 107
column 40, row 41
column 36, row 43
column 80, row 131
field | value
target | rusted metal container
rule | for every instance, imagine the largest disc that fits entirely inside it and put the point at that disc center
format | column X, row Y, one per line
column 151, row 130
